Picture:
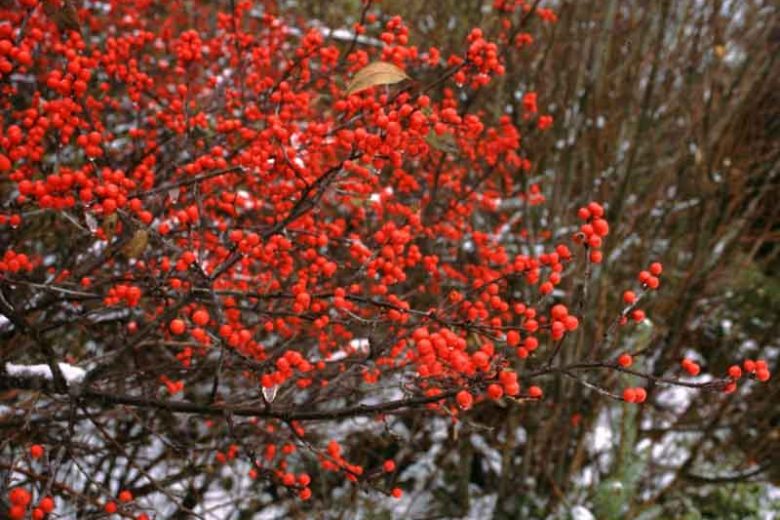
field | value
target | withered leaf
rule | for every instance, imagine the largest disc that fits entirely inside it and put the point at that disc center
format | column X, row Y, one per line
column 373, row 74
column 109, row 226
column 136, row 246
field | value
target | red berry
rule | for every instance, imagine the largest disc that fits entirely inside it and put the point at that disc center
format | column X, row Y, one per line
column 200, row 317
column 5, row 163
column 656, row 268
column 397, row 493
column 629, row 395
column 125, row 496
column 16, row 513
column 389, row 466
column 512, row 388
column 625, row 360
column 640, row 395
column 19, row 497
column 36, row 451
column 571, row 323
column 480, row 359
column 177, row 326
column 535, row 392
column 465, row 399
column 47, row 504
column 495, row 391
column 559, row 312
column 691, row 367
column 629, row 297
column 596, row 209
column 735, row 372
column 110, row 508
column 600, row 227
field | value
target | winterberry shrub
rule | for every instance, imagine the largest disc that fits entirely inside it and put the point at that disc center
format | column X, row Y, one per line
column 229, row 238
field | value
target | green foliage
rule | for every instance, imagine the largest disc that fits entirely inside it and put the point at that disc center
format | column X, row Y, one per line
column 729, row 501
column 617, row 492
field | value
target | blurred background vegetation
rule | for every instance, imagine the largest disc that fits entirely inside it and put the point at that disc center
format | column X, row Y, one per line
column 669, row 111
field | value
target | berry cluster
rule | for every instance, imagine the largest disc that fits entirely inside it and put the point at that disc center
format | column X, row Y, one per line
column 593, row 231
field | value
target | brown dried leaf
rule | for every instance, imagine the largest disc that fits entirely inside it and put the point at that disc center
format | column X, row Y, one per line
column 373, row 74
column 136, row 246
column 109, row 226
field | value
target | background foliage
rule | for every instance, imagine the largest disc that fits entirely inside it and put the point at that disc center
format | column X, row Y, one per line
column 669, row 110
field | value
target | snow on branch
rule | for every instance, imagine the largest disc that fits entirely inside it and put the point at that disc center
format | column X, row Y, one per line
column 71, row 373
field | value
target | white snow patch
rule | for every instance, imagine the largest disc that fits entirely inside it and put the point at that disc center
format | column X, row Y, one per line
column 491, row 455
column 337, row 356
column 581, row 513
column 482, row 507
column 676, row 398
column 726, row 326
column 71, row 373
column 346, row 35
column 360, row 345
column 602, row 438
column 270, row 393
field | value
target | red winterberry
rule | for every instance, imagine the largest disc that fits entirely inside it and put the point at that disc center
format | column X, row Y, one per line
column 177, row 326
column 36, row 451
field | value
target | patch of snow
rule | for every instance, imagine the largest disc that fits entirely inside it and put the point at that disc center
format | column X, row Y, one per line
column 345, row 35
column 675, row 397
column 482, row 507
column 492, row 456
column 587, row 477
column 71, row 373
column 581, row 513
column 337, row 356
column 360, row 345
column 270, row 393
column 602, row 437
